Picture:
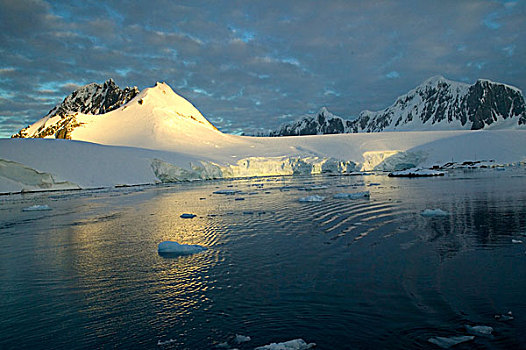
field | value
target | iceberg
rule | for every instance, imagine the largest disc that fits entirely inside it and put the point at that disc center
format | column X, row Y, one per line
column 446, row 343
column 314, row 198
column 356, row 195
column 434, row 212
column 295, row 344
column 176, row 249
column 37, row 208
column 516, row 241
column 416, row 172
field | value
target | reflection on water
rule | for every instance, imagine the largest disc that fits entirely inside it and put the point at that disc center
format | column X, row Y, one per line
column 367, row 273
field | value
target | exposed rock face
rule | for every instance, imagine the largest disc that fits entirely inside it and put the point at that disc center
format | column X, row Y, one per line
column 324, row 122
column 437, row 104
column 90, row 99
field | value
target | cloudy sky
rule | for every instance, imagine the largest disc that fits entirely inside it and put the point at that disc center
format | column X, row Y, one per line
column 252, row 65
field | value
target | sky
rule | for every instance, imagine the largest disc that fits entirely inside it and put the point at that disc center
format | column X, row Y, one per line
column 250, row 66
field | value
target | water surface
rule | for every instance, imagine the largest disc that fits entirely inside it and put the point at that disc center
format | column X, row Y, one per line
column 345, row 274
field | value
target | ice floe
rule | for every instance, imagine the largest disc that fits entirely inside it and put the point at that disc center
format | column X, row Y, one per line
column 174, row 248
column 516, row 241
column 479, row 330
column 295, row 344
column 416, row 172
column 356, row 195
column 504, row 317
column 241, row 338
column 188, row 216
column 434, row 212
column 166, row 342
column 446, row 343
column 314, row 198
column 37, row 208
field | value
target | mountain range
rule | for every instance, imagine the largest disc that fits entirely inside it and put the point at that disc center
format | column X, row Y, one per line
column 436, row 104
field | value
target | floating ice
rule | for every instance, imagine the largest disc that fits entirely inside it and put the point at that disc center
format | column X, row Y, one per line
column 516, row 241
column 355, row 195
column 226, row 192
column 416, row 172
column 446, row 343
column 504, row 318
column 37, row 208
column 479, row 330
column 166, row 342
column 223, row 345
column 434, row 212
column 314, row 198
column 188, row 216
column 174, row 248
column 295, row 344
column 241, row 338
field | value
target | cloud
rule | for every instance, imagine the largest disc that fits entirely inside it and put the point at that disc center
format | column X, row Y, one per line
column 247, row 64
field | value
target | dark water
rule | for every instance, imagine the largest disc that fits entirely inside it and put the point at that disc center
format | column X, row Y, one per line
column 346, row 274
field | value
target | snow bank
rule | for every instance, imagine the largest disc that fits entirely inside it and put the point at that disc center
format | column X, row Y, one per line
column 37, row 208
column 446, row 343
column 356, row 195
column 295, row 344
column 416, row 172
column 434, row 212
column 174, row 248
column 314, row 198
column 45, row 164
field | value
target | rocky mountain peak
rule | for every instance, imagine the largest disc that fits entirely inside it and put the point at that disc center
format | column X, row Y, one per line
column 91, row 99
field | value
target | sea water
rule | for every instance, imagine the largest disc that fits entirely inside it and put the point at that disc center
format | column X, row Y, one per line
column 364, row 273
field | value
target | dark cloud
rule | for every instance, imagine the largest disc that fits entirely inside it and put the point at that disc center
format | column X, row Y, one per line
column 250, row 65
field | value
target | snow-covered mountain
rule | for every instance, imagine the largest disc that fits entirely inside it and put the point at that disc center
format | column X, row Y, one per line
column 91, row 99
column 154, row 118
column 437, row 104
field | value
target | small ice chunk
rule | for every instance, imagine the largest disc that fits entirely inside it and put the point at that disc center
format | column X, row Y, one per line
column 356, row 195
column 516, row 241
column 479, row 330
column 188, row 216
column 37, row 208
column 241, row 338
column 174, row 248
column 314, row 198
column 223, row 345
column 446, row 343
column 434, row 212
column 295, row 344
column 226, row 192
column 166, row 342
column 504, row 318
